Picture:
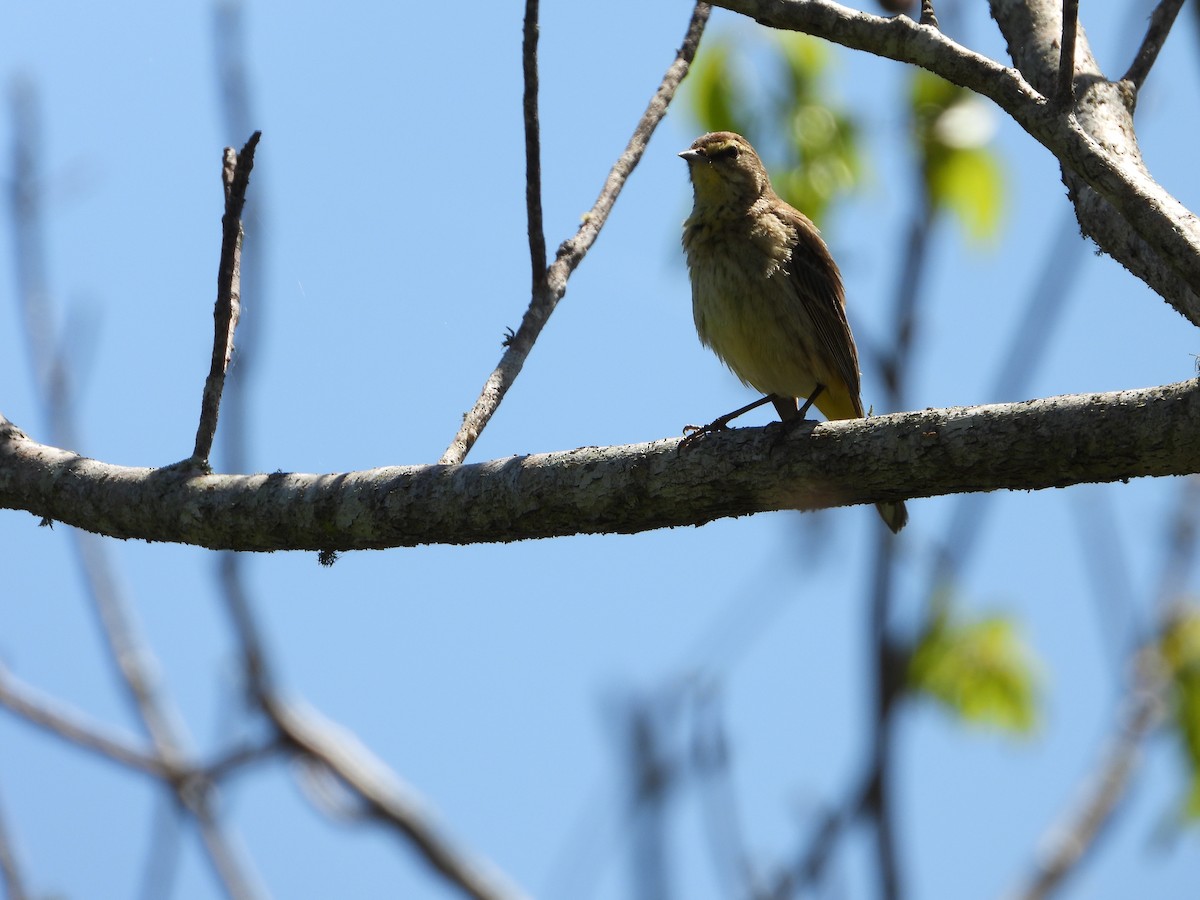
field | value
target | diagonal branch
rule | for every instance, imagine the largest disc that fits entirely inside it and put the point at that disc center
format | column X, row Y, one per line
column 72, row 726
column 1016, row 446
column 554, row 285
column 1077, row 834
column 1161, row 21
column 1158, row 239
column 390, row 802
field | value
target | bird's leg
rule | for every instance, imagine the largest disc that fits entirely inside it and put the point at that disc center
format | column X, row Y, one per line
column 789, row 416
column 693, row 433
column 811, row 399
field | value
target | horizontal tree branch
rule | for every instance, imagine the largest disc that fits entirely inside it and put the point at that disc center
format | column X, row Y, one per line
column 1169, row 232
column 1016, row 446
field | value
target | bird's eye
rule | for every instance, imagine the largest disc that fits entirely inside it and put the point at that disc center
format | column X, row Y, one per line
column 725, row 151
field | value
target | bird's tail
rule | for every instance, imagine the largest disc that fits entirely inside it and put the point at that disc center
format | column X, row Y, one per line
column 841, row 403
column 894, row 515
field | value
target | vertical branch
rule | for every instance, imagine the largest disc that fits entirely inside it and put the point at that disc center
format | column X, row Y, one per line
column 533, row 149
column 889, row 684
column 1066, row 57
column 25, row 209
column 889, row 670
column 652, row 772
column 572, row 252
column 235, row 176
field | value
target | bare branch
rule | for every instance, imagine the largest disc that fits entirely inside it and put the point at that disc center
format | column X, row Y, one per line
column 235, row 176
column 1104, row 111
column 1066, row 55
column 307, row 733
column 1161, row 21
column 228, row 859
column 1164, row 248
column 390, row 802
column 571, row 253
column 73, row 726
column 1017, row 446
column 533, row 149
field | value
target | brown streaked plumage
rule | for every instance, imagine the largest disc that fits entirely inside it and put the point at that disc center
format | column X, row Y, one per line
column 766, row 294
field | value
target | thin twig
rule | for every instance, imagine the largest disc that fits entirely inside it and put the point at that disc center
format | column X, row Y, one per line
column 928, row 16
column 1066, row 58
column 533, row 149
column 1161, row 21
column 235, row 176
column 569, row 255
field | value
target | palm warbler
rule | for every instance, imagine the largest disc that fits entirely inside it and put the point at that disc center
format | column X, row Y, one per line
column 766, row 295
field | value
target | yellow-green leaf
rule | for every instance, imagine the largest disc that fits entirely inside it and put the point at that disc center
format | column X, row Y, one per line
column 981, row 670
column 969, row 184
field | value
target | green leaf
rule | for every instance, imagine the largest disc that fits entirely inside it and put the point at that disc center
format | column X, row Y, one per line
column 969, row 183
column 980, row 670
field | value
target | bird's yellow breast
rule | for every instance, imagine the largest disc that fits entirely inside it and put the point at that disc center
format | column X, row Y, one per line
column 745, row 303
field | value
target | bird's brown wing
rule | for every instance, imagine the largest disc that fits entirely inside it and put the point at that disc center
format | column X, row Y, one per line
column 819, row 288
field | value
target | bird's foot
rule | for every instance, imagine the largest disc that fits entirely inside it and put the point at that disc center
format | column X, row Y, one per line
column 693, row 434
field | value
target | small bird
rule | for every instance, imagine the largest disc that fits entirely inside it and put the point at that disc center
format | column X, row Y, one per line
column 766, row 294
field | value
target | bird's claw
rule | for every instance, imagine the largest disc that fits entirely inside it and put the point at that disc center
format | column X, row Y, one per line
column 693, row 434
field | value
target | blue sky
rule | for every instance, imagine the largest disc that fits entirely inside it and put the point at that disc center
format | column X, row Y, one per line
column 393, row 234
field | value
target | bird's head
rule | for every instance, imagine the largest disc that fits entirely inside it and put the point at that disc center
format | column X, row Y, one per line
column 725, row 170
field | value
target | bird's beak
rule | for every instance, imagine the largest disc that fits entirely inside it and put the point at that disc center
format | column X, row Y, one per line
column 691, row 155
